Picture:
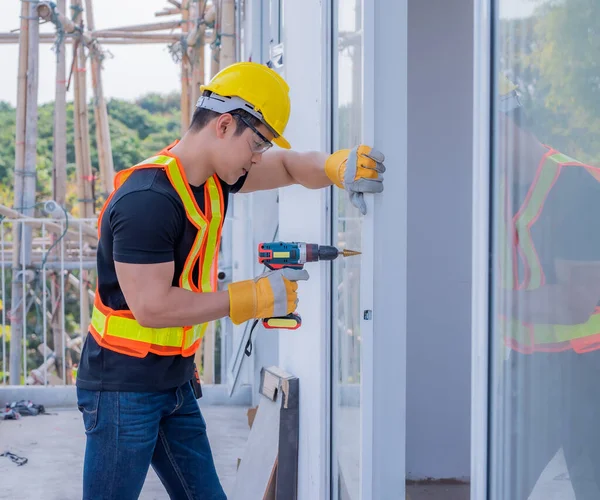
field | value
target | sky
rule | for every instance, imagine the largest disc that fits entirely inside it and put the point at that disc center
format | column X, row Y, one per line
column 133, row 70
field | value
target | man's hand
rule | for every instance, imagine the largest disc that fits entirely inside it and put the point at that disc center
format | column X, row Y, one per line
column 271, row 294
column 357, row 171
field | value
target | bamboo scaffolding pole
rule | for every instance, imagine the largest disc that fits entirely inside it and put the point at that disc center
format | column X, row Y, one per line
column 215, row 43
column 103, row 144
column 127, row 41
column 59, row 177
column 84, row 300
column 44, row 11
column 196, row 42
column 74, row 281
column 132, row 35
column 25, row 200
column 166, row 25
column 210, row 14
column 168, row 12
column 89, row 233
column 227, row 33
column 16, row 289
column 85, row 175
column 85, row 178
column 185, row 69
column 78, row 141
column 50, row 38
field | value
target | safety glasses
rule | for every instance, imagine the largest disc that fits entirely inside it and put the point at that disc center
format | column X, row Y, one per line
column 258, row 146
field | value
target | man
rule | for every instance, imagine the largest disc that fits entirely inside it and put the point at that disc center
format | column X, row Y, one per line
column 548, row 256
column 159, row 235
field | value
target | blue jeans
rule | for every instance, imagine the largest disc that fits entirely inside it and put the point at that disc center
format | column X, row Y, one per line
column 129, row 431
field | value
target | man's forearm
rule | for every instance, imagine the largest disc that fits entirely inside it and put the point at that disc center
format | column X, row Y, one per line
column 307, row 169
column 180, row 307
column 553, row 304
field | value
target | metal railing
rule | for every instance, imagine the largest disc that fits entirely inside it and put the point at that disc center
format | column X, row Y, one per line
column 47, row 278
column 47, row 284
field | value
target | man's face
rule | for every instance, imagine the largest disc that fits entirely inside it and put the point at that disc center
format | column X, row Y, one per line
column 237, row 154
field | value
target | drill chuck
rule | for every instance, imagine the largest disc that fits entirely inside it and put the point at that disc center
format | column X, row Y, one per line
column 328, row 253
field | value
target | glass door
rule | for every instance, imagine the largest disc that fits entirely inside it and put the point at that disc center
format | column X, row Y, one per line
column 346, row 226
column 544, row 399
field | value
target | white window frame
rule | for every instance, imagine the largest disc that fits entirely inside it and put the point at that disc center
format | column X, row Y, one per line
column 480, row 298
column 384, row 244
column 383, row 374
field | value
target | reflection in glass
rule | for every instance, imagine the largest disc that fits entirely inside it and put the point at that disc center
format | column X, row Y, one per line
column 545, row 356
column 347, row 118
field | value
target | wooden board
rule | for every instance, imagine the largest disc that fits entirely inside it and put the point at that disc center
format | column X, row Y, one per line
column 268, row 470
column 258, row 461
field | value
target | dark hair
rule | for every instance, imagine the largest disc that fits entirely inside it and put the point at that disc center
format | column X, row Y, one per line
column 202, row 117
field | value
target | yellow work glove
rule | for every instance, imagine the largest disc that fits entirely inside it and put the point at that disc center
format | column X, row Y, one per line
column 357, row 170
column 269, row 295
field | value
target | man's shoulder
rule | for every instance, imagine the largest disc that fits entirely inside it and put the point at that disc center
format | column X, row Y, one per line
column 147, row 184
column 579, row 178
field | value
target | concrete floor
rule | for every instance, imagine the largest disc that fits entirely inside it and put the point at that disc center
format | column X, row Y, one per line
column 553, row 484
column 437, row 492
column 54, row 446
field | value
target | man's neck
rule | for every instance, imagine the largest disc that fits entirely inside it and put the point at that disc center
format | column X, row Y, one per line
column 193, row 158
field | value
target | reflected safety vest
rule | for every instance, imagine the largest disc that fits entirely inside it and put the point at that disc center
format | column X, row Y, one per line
column 526, row 337
column 119, row 330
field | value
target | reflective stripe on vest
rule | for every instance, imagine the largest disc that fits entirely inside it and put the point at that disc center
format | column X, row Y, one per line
column 518, row 243
column 118, row 330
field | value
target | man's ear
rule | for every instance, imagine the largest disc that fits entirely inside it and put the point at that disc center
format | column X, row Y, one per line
column 225, row 125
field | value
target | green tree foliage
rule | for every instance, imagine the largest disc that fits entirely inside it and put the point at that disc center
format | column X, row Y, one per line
column 138, row 130
column 553, row 57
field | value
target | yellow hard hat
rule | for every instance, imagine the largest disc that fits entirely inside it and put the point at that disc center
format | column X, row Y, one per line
column 507, row 90
column 255, row 88
column 505, row 86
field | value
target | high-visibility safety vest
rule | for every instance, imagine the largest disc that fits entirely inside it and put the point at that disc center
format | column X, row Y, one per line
column 119, row 330
column 518, row 244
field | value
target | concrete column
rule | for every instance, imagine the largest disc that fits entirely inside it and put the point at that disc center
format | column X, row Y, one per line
column 440, row 69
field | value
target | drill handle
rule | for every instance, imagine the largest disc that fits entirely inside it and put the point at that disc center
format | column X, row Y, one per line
column 290, row 322
column 274, row 267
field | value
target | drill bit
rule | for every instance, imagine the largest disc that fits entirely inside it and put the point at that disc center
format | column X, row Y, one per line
column 349, row 253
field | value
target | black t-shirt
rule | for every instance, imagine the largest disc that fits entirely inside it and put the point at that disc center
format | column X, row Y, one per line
column 568, row 227
column 144, row 223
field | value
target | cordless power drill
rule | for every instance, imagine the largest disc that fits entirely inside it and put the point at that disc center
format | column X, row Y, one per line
column 279, row 255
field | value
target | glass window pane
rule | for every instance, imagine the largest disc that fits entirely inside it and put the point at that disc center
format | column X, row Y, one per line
column 545, row 356
column 347, row 234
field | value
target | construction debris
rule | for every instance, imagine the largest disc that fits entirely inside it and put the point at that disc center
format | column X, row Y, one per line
column 15, row 458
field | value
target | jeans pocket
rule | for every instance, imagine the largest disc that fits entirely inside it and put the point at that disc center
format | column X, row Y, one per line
column 87, row 404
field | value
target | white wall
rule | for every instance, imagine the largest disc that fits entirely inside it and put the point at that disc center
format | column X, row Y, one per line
column 302, row 217
column 265, row 218
column 440, row 69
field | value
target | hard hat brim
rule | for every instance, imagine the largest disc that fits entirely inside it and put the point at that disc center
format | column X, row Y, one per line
column 227, row 104
column 282, row 142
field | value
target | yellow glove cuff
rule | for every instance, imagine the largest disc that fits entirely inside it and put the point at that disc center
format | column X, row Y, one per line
column 242, row 301
column 335, row 166
column 254, row 299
